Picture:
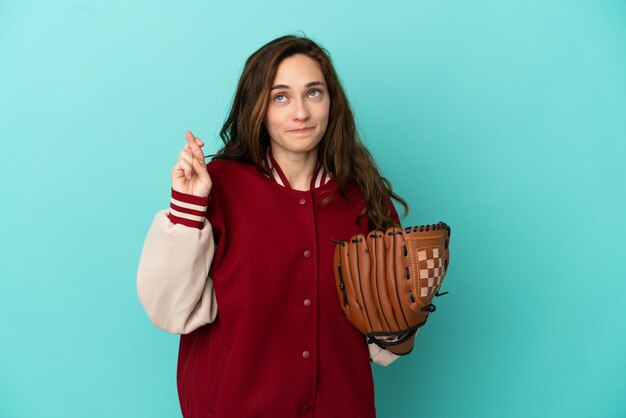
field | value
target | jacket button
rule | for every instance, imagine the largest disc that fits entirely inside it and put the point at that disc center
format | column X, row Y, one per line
column 306, row 354
column 307, row 302
column 307, row 254
column 302, row 201
column 305, row 408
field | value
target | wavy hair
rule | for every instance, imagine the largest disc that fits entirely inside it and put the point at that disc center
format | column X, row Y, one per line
column 341, row 151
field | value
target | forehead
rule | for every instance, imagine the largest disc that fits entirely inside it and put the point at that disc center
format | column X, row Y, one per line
column 298, row 70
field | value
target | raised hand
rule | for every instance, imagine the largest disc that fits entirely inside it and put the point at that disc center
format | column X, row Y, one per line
column 190, row 174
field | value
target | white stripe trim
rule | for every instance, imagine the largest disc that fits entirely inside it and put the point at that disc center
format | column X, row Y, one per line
column 186, row 215
column 274, row 172
column 268, row 160
column 321, row 179
column 318, row 180
column 188, row 205
column 277, row 177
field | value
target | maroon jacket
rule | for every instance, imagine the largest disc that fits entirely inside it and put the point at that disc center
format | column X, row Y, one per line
column 280, row 345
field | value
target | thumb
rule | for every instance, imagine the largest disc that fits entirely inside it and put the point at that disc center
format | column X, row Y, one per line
column 200, row 168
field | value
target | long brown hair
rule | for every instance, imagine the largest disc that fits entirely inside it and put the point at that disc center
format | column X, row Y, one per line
column 341, row 151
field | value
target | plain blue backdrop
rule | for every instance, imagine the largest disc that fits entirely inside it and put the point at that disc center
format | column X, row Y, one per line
column 506, row 119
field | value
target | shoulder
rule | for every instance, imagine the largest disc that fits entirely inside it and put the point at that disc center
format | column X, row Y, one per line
column 219, row 164
column 353, row 193
column 219, row 167
column 230, row 176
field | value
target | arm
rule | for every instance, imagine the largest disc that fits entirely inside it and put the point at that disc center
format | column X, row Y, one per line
column 381, row 356
column 173, row 281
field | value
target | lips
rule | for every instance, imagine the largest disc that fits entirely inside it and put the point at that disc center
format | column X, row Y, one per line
column 302, row 130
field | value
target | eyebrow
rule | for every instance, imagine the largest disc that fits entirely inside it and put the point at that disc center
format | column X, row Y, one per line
column 284, row 86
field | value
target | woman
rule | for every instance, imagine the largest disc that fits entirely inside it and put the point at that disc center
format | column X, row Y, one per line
column 250, row 232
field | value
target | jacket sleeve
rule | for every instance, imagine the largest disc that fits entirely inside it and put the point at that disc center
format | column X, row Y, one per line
column 173, row 282
column 381, row 356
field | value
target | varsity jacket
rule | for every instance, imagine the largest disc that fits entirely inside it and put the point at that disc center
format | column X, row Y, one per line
column 279, row 345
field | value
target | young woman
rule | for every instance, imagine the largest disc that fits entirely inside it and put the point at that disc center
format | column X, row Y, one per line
column 241, row 262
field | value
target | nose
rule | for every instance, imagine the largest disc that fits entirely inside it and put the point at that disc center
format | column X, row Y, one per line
column 301, row 111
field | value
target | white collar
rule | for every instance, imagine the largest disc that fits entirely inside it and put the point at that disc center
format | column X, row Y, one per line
column 320, row 176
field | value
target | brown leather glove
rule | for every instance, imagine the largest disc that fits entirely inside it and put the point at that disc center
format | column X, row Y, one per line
column 387, row 281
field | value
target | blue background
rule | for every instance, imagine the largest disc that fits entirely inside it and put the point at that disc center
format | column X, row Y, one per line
column 506, row 119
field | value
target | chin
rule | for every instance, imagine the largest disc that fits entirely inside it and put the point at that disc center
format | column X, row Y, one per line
column 296, row 145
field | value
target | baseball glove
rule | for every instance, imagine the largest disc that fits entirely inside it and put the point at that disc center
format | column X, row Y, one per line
column 387, row 281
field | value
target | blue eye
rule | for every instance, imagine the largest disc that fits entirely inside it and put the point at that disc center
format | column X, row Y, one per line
column 315, row 91
column 279, row 95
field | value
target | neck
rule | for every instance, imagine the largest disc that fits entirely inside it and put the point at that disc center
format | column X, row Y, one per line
column 297, row 167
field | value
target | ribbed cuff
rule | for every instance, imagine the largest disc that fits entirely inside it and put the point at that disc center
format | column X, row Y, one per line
column 381, row 356
column 187, row 209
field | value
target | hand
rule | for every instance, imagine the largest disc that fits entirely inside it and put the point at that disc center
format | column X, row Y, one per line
column 190, row 174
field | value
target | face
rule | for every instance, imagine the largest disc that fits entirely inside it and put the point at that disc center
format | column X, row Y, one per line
column 297, row 115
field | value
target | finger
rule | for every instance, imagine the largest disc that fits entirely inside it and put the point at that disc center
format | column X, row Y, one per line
column 178, row 172
column 200, row 165
column 197, row 152
column 185, row 155
column 186, row 168
column 198, row 140
column 189, row 135
column 193, row 143
column 201, row 170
